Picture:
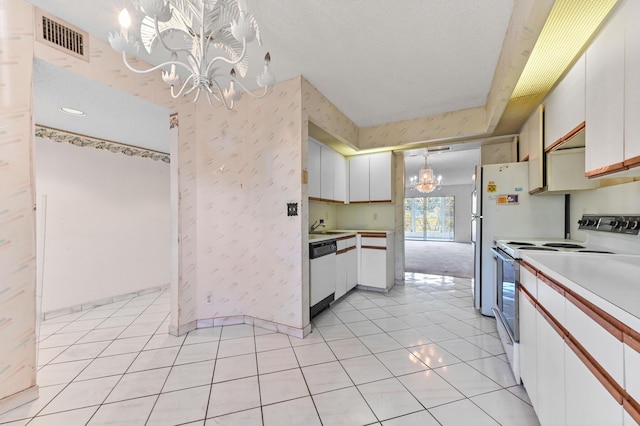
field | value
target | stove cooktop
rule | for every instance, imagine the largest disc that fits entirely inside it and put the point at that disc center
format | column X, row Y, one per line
column 514, row 248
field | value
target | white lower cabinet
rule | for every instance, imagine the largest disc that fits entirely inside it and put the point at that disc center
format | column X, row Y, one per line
column 346, row 266
column 341, row 275
column 632, row 376
column 564, row 339
column 587, row 402
column 352, row 268
column 550, row 406
column 377, row 261
column 528, row 348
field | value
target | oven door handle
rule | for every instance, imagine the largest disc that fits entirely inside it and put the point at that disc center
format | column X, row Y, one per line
column 502, row 256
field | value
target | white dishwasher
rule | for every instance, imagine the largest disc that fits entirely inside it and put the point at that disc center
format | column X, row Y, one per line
column 322, row 275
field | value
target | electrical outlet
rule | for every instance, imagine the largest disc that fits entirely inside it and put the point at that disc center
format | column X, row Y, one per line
column 208, row 298
column 292, row 209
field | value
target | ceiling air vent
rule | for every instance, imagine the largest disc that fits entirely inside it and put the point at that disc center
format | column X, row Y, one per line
column 60, row 35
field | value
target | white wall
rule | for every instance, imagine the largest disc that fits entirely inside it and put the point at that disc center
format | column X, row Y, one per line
column 374, row 216
column 322, row 210
column 618, row 199
column 107, row 223
column 462, row 199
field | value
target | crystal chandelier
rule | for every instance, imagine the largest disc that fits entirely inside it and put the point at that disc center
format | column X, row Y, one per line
column 427, row 181
column 207, row 41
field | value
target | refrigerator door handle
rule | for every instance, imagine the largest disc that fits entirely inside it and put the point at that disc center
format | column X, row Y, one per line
column 476, row 216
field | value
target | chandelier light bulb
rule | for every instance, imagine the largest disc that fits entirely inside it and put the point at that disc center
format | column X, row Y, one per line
column 124, row 18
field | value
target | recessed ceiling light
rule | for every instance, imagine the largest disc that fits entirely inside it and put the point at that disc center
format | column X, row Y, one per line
column 72, row 111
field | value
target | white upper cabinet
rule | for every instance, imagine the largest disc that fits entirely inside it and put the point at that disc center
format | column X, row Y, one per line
column 564, row 108
column 370, row 178
column 326, row 173
column 359, row 178
column 532, row 130
column 314, row 169
column 380, row 176
column 339, row 177
column 632, row 85
column 605, row 82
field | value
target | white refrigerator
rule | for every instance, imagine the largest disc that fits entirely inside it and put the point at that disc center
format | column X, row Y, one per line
column 503, row 209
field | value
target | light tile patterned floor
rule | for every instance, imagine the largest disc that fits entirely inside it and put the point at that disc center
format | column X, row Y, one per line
column 419, row 355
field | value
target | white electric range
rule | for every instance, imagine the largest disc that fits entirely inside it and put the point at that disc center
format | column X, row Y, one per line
column 606, row 235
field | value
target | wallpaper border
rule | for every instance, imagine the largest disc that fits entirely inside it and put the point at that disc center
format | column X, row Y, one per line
column 63, row 136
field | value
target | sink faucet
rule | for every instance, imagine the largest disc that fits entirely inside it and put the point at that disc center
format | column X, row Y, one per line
column 317, row 225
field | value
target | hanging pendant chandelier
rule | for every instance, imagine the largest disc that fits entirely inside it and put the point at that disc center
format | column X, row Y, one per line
column 427, row 181
column 207, row 42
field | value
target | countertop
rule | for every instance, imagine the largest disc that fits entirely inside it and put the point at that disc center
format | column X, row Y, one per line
column 611, row 281
column 332, row 234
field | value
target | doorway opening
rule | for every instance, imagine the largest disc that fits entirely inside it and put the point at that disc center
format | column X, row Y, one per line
column 429, row 218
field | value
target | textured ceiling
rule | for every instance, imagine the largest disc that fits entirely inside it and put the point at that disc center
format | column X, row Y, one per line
column 377, row 61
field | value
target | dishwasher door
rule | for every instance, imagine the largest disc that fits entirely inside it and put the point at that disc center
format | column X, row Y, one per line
column 322, row 275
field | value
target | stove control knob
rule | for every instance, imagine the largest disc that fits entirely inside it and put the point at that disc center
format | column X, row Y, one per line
column 615, row 223
column 626, row 224
column 582, row 222
column 636, row 225
column 592, row 222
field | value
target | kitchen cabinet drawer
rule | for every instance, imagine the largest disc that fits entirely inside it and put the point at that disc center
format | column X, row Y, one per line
column 528, row 279
column 606, row 349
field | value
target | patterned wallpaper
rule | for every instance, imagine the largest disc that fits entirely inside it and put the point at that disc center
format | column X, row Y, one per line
column 249, row 167
column 324, row 114
column 17, row 221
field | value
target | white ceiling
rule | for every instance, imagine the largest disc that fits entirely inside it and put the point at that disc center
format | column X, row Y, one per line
column 378, row 61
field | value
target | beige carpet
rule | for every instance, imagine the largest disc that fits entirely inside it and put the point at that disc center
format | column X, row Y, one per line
column 439, row 258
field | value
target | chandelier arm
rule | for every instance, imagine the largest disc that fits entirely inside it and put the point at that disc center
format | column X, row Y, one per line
column 229, row 61
column 157, row 67
column 184, row 85
column 159, row 35
column 266, row 89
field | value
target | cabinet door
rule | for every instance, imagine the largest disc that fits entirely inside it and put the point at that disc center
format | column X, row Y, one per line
column 326, row 172
column 373, row 267
column 564, row 107
column 359, row 178
column 550, row 406
column 587, row 401
column 341, row 275
column 314, row 169
column 523, row 142
column 339, row 178
column 352, row 269
column 632, row 369
column 535, row 150
column 550, row 358
column 528, row 345
column 632, row 82
column 380, row 166
column 605, row 98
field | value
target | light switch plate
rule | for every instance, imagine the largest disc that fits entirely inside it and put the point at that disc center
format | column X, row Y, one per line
column 292, row 209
